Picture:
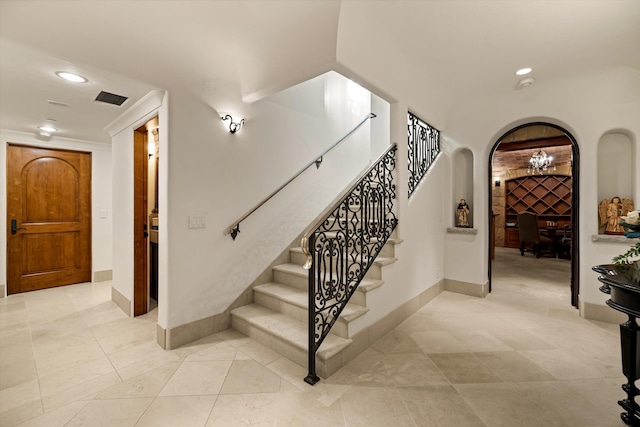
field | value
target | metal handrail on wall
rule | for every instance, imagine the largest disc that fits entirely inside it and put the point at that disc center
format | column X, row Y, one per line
column 234, row 228
column 343, row 244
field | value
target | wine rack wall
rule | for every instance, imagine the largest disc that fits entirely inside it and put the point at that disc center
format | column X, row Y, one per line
column 547, row 195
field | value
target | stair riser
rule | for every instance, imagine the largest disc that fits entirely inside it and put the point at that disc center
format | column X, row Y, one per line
column 374, row 272
column 340, row 328
column 388, row 250
column 279, row 345
column 298, row 258
column 294, row 280
column 302, row 282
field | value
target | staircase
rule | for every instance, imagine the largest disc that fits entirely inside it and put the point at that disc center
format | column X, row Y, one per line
column 278, row 317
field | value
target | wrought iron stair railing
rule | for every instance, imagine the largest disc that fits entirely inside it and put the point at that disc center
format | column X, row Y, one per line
column 343, row 244
column 234, row 228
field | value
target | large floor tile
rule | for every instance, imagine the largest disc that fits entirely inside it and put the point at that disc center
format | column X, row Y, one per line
column 220, row 350
column 19, row 395
column 84, row 390
column 68, row 378
column 69, row 355
column 373, row 407
column 439, row 406
column 302, row 410
column 438, row 342
column 123, row 334
column 58, row 417
column 249, row 410
column 463, row 368
column 248, row 376
column 173, row 411
column 113, row 412
column 562, row 365
column 413, row 370
column 549, row 403
column 512, row 366
column 519, row 339
column 197, row 378
column 259, row 352
column 148, row 384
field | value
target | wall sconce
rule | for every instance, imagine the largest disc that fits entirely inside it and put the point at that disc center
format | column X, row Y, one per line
column 151, row 148
column 496, row 181
column 233, row 123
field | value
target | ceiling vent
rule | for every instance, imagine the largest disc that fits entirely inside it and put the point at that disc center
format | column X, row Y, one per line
column 111, row 98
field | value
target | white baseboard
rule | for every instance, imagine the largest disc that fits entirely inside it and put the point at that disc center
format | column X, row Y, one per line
column 121, row 301
column 467, row 288
column 102, row 276
column 601, row 313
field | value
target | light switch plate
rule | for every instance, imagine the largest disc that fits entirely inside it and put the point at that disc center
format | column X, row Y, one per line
column 197, row 221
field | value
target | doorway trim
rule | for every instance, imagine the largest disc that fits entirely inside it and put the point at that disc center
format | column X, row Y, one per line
column 575, row 203
column 121, row 131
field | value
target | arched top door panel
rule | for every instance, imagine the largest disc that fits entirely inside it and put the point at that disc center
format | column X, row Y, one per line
column 50, row 191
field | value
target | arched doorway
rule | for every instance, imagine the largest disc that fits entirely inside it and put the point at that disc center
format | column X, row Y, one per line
column 552, row 192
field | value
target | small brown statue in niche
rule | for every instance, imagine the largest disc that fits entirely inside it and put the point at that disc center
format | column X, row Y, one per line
column 462, row 214
column 610, row 211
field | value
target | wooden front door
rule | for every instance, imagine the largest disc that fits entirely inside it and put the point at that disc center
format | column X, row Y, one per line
column 48, row 218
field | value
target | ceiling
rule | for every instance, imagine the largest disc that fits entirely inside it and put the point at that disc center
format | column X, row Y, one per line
column 230, row 53
column 516, row 148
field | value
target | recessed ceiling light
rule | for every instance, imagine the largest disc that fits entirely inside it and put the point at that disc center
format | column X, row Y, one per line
column 75, row 78
column 47, row 129
column 523, row 71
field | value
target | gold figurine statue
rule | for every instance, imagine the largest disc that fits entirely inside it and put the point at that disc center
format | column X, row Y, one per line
column 610, row 211
column 462, row 214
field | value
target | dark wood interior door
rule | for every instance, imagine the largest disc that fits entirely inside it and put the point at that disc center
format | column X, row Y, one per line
column 140, row 222
column 48, row 218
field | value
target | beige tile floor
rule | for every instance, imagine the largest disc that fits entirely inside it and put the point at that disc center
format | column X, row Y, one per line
column 520, row 357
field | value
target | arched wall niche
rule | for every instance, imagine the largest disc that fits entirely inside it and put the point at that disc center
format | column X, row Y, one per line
column 616, row 165
column 463, row 180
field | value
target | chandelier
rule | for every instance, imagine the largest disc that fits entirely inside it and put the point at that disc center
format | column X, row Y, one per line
column 539, row 163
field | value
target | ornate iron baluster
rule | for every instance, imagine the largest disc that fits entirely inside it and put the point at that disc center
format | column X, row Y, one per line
column 424, row 146
column 344, row 245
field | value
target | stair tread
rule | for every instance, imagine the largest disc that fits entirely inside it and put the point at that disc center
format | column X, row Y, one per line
column 380, row 260
column 289, row 329
column 365, row 285
column 300, row 298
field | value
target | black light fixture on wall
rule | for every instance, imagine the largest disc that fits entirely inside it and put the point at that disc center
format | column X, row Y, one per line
column 234, row 124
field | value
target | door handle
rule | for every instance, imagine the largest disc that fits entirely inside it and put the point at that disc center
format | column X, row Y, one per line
column 14, row 226
column 145, row 233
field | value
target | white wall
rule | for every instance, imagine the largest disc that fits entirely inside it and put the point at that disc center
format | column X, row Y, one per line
column 588, row 106
column 122, row 149
column 100, row 198
column 422, row 221
column 462, row 181
column 616, row 154
column 221, row 175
